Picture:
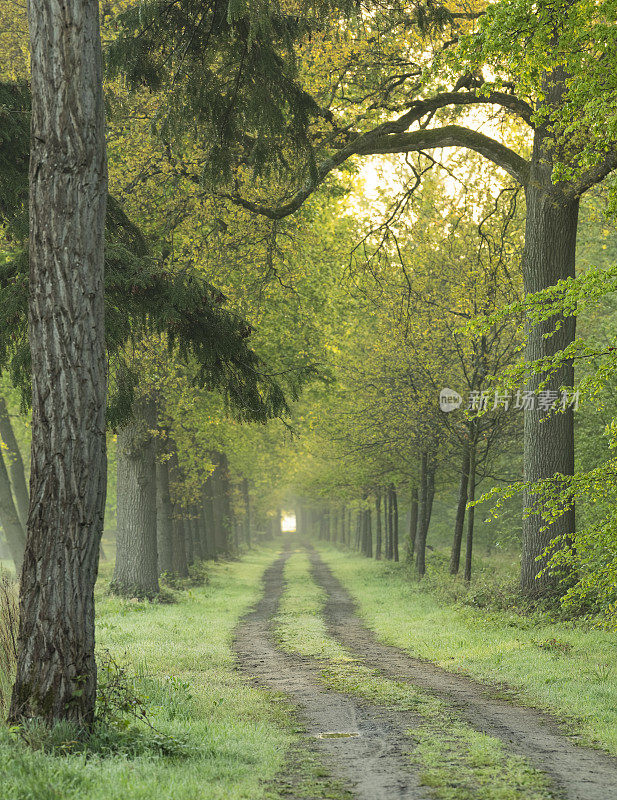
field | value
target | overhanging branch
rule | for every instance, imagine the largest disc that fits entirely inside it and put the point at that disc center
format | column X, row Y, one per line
column 451, row 136
column 377, row 142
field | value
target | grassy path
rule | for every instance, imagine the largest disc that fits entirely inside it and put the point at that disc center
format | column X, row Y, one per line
column 446, row 737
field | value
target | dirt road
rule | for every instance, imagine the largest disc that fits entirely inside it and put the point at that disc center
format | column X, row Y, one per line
column 369, row 745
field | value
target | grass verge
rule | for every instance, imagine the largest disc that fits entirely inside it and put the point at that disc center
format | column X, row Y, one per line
column 563, row 667
column 215, row 736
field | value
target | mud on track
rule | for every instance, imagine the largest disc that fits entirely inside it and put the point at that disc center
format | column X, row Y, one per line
column 374, row 764
column 578, row 773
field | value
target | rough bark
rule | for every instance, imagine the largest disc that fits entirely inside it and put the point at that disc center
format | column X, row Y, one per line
column 136, row 569
column 16, row 465
column 9, row 518
column 550, row 242
column 56, row 668
column 164, row 518
column 459, row 522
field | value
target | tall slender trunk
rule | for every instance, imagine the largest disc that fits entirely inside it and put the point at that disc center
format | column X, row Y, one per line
column 198, row 553
column 394, row 522
column 222, row 504
column 378, row 525
column 209, row 518
column 413, row 524
column 16, row 464
column 9, row 519
column 188, row 535
column 471, row 514
column 246, row 494
column 459, row 522
column 388, row 516
column 164, row 518
column 136, row 568
column 56, row 668
column 421, row 554
column 550, row 243
column 368, row 533
column 178, row 553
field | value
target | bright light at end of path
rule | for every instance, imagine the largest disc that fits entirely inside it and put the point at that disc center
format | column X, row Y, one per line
column 288, row 523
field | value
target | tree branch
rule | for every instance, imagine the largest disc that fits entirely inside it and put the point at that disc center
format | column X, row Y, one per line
column 380, row 141
column 451, row 136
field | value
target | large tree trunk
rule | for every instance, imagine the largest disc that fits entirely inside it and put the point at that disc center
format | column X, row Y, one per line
column 164, row 518
column 550, row 243
column 56, row 668
column 9, row 519
column 16, row 465
column 413, row 524
column 136, row 570
column 459, row 522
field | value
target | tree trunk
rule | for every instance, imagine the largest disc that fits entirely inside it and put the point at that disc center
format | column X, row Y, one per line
column 394, row 522
column 413, row 524
column 188, row 535
column 421, row 554
column 550, row 243
column 198, row 554
column 9, row 519
column 56, row 668
column 164, row 519
column 246, row 493
column 16, row 465
column 455, row 555
column 368, row 534
column 471, row 514
column 222, row 508
column 178, row 551
column 377, row 525
column 388, row 520
column 209, row 519
column 136, row 569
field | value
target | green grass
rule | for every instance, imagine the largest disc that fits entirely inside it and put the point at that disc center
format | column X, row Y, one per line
column 455, row 761
column 217, row 737
column 561, row 666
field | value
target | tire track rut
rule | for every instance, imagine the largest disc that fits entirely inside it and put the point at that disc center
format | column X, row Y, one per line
column 373, row 761
column 579, row 773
